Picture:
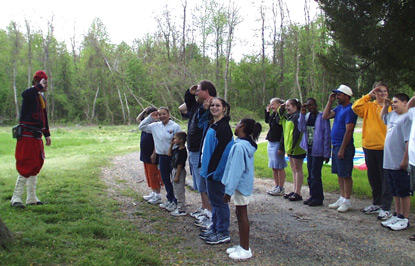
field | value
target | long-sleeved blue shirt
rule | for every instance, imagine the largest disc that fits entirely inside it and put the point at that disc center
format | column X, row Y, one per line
column 239, row 170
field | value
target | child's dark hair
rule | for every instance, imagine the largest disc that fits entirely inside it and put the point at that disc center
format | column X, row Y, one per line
column 251, row 128
column 149, row 110
column 295, row 102
column 402, row 96
column 182, row 135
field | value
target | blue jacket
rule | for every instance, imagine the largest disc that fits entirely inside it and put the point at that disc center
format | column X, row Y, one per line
column 239, row 170
column 321, row 139
column 216, row 146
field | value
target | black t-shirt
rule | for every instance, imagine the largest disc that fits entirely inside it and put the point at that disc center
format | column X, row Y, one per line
column 310, row 129
column 179, row 156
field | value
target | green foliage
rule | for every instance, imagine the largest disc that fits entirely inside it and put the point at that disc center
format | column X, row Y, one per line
column 379, row 33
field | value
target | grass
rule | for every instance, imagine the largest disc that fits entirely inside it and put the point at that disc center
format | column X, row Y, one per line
column 80, row 225
column 361, row 187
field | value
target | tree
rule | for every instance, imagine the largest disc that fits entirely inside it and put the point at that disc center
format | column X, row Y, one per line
column 380, row 32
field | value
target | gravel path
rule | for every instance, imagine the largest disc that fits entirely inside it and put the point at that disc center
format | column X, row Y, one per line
column 282, row 232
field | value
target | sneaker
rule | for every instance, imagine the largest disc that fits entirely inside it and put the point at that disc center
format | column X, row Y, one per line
column 206, row 235
column 399, row 224
column 149, row 196
column 233, row 249
column 384, row 215
column 205, row 222
column 171, row 207
column 315, row 203
column 336, row 204
column 217, row 238
column 177, row 212
column 389, row 221
column 307, row 201
column 241, row 254
column 344, row 207
column 274, row 191
column 371, row 209
column 155, row 200
column 164, row 204
column 196, row 213
column 286, row 196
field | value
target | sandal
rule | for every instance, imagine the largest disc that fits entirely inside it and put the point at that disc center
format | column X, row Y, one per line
column 286, row 196
column 295, row 197
column 412, row 238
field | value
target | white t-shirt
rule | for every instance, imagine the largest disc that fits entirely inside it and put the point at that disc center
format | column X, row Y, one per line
column 397, row 134
column 411, row 146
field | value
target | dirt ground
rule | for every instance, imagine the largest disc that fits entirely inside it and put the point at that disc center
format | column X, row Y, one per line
column 282, row 232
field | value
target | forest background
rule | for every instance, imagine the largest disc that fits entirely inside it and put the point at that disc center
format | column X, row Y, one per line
column 96, row 81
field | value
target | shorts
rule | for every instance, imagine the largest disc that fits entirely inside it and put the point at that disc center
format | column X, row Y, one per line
column 411, row 170
column 240, row 199
column 399, row 183
column 153, row 176
column 298, row 156
column 343, row 167
column 275, row 161
column 199, row 182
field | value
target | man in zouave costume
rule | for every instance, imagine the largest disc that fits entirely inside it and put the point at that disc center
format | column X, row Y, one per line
column 29, row 148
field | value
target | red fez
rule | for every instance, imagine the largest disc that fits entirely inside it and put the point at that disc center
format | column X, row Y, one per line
column 39, row 75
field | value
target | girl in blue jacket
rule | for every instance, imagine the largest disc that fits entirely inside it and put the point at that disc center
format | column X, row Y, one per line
column 217, row 143
column 239, row 180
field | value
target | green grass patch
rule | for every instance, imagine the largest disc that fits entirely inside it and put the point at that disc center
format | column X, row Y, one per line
column 79, row 225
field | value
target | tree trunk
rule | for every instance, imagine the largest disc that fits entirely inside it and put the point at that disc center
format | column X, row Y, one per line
column 15, row 52
column 5, row 235
column 93, row 105
column 29, row 54
column 128, row 108
column 264, row 77
column 122, row 104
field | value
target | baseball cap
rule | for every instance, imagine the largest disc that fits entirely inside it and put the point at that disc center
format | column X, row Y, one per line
column 344, row 89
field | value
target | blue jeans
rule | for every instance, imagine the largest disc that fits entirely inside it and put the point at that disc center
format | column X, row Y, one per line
column 314, row 165
column 199, row 183
column 220, row 210
column 165, row 171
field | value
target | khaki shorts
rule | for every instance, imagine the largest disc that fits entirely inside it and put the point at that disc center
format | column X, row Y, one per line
column 239, row 199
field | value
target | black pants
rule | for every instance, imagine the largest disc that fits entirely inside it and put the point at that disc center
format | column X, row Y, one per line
column 377, row 179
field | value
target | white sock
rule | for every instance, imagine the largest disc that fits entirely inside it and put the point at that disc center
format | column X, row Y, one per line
column 346, row 201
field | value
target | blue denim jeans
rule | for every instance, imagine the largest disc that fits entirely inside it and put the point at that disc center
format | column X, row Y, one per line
column 165, row 171
column 220, row 210
column 199, row 183
column 314, row 165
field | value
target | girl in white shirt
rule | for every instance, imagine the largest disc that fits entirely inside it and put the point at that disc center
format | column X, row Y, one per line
column 163, row 132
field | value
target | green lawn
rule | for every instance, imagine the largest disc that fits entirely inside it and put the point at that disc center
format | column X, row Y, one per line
column 79, row 225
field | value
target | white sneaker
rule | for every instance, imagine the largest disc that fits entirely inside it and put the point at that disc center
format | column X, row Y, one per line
column 241, row 254
column 149, row 196
column 384, row 215
column 372, row 209
column 164, row 204
column 344, row 207
column 336, row 204
column 274, row 191
column 196, row 213
column 400, row 224
column 171, row 207
column 233, row 249
column 389, row 221
column 177, row 212
column 155, row 200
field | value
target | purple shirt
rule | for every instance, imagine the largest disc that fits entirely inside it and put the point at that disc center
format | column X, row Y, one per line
column 321, row 138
